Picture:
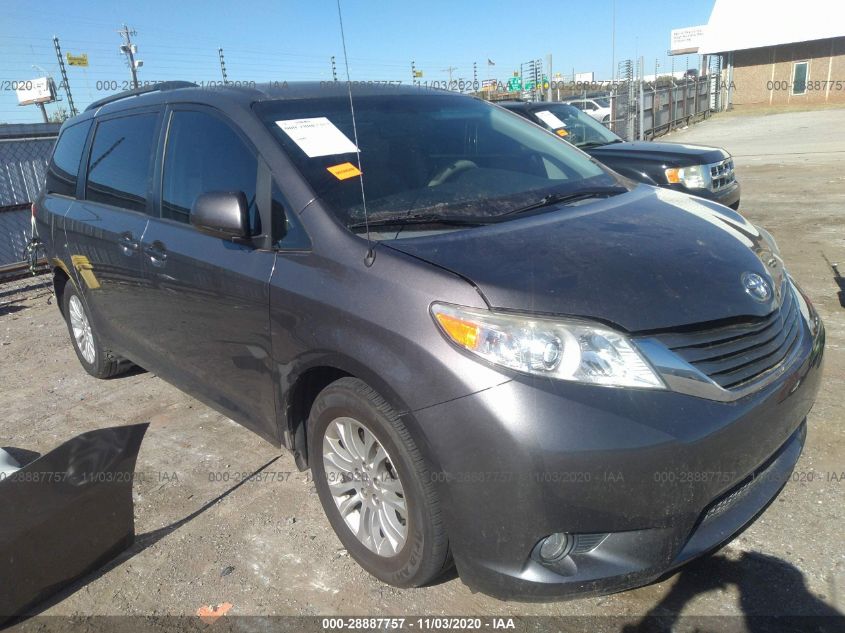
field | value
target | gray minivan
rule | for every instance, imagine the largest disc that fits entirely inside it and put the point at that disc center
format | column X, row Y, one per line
column 488, row 348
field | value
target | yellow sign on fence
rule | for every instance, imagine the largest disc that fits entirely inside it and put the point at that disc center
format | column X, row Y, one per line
column 77, row 60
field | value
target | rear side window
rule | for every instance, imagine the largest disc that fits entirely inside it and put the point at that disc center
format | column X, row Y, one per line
column 204, row 154
column 119, row 167
column 64, row 165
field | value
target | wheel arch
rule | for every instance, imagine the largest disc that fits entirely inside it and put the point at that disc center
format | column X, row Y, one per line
column 311, row 379
column 60, row 281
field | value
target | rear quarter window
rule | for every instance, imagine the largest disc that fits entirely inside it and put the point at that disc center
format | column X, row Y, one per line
column 67, row 156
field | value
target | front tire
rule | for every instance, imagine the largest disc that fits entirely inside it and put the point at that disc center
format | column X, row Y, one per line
column 96, row 360
column 375, row 487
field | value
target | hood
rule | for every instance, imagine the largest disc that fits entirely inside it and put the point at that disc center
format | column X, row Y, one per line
column 665, row 153
column 649, row 259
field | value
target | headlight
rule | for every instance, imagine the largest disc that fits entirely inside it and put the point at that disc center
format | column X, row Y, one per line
column 694, row 177
column 556, row 348
column 770, row 241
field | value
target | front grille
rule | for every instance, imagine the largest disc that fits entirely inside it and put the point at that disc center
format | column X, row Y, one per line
column 731, row 498
column 738, row 354
column 765, row 473
column 722, row 174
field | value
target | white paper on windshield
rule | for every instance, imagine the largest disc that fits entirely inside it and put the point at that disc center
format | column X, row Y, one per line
column 550, row 119
column 317, row 136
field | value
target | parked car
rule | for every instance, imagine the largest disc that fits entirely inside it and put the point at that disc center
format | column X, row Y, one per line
column 707, row 172
column 505, row 355
column 597, row 108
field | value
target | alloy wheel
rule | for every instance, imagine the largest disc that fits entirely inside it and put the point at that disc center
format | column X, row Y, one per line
column 81, row 330
column 365, row 486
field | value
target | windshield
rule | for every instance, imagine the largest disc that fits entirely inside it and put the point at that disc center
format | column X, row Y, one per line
column 425, row 154
column 582, row 130
column 603, row 102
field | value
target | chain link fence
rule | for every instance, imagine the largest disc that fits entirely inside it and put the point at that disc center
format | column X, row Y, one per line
column 23, row 165
column 643, row 110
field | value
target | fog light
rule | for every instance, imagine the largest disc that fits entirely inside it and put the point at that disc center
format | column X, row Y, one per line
column 556, row 546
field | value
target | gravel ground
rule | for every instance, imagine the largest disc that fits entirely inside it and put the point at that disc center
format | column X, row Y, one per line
column 265, row 546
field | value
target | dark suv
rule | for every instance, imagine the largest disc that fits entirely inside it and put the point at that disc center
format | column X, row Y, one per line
column 487, row 347
column 707, row 172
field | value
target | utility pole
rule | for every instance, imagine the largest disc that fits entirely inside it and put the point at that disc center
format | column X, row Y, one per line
column 43, row 112
column 65, row 84
column 129, row 49
column 449, row 70
column 334, row 69
column 413, row 72
column 551, row 77
column 475, row 76
column 222, row 66
column 641, row 104
column 613, row 45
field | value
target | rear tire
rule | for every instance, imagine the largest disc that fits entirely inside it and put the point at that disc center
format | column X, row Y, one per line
column 406, row 544
column 97, row 361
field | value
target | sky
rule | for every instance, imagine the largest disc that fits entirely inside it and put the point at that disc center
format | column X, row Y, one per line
column 290, row 41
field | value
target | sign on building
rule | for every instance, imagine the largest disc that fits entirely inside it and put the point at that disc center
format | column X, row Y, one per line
column 686, row 40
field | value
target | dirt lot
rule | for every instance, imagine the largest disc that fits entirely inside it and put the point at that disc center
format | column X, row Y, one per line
column 271, row 536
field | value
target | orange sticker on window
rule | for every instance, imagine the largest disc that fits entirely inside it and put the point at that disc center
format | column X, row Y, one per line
column 561, row 132
column 344, row 171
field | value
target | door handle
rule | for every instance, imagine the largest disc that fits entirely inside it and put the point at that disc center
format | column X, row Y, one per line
column 128, row 244
column 157, row 253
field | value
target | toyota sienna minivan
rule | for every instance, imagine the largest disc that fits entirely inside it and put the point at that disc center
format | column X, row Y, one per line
column 489, row 349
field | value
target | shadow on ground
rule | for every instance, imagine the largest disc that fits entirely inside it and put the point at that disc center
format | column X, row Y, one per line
column 772, row 597
column 10, row 308
column 838, row 279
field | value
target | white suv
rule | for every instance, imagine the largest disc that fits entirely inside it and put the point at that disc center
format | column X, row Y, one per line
column 596, row 107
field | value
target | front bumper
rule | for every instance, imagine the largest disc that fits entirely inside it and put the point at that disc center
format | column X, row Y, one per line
column 728, row 196
column 664, row 475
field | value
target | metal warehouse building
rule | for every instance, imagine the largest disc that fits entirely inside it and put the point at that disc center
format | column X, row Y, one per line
column 775, row 54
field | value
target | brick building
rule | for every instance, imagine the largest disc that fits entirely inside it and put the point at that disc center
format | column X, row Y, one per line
column 776, row 57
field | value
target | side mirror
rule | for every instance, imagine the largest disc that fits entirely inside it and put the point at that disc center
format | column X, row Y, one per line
column 221, row 213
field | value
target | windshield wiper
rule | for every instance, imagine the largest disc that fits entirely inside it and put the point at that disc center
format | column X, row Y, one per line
column 422, row 218
column 572, row 196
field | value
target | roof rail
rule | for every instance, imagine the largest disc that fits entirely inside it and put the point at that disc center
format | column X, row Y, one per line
column 164, row 85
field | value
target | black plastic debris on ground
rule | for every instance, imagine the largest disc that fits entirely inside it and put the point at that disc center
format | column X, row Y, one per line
column 65, row 513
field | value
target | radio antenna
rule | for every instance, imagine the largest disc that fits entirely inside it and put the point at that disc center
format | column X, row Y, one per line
column 371, row 255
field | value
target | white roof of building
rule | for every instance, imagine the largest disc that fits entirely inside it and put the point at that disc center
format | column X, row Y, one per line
column 741, row 24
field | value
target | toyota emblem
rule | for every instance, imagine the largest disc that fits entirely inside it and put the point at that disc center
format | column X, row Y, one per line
column 757, row 287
